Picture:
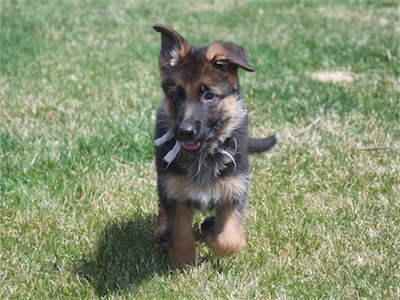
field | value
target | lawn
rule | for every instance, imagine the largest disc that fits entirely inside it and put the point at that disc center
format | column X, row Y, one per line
column 79, row 86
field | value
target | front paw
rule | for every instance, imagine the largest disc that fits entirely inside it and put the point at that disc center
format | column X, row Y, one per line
column 224, row 240
column 208, row 228
column 208, row 225
column 181, row 257
column 162, row 236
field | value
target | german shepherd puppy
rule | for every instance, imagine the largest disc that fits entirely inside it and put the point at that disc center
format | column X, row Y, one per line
column 202, row 147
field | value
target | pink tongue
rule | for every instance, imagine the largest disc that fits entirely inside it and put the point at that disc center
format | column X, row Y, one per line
column 191, row 145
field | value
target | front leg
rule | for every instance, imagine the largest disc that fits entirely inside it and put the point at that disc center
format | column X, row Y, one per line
column 182, row 249
column 161, row 234
column 174, row 230
column 225, row 233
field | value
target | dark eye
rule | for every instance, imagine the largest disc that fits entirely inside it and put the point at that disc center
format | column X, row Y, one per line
column 220, row 64
column 209, row 96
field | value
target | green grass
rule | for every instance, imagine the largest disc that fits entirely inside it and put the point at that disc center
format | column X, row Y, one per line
column 78, row 93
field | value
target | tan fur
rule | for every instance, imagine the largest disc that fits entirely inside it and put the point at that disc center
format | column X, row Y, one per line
column 182, row 250
column 176, row 56
column 216, row 51
column 228, row 236
column 222, row 189
column 182, row 50
column 236, row 112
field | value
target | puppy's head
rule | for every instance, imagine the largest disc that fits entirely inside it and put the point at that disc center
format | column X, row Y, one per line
column 201, row 87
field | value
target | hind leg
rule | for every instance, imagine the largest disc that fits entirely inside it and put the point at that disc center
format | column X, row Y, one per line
column 225, row 233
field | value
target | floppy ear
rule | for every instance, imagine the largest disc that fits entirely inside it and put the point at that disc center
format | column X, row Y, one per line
column 173, row 46
column 222, row 54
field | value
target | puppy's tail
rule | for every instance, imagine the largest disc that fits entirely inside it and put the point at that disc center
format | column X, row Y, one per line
column 260, row 145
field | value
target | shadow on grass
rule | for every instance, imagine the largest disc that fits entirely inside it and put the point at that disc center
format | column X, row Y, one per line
column 125, row 257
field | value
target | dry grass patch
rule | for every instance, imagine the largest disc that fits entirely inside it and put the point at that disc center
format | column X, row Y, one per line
column 333, row 76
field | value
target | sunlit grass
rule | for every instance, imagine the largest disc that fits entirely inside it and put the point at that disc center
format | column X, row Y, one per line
column 79, row 88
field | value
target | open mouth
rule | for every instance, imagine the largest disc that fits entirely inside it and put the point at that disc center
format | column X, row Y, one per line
column 191, row 146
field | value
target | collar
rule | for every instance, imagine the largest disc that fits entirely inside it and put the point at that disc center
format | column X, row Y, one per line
column 171, row 155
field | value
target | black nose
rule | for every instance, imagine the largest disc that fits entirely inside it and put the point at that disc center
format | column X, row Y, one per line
column 186, row 131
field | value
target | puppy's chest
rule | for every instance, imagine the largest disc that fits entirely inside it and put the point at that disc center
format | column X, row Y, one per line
column 206, row 196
